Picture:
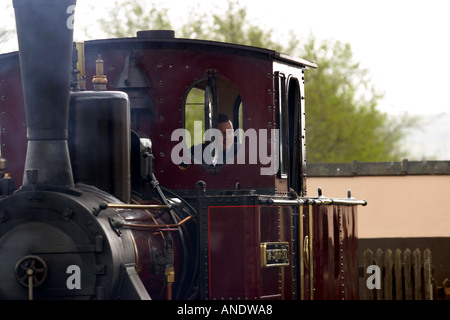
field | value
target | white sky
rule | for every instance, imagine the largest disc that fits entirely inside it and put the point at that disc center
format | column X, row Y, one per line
column 404, row 44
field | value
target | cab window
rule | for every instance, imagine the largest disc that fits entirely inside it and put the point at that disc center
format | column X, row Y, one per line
column 208, row 101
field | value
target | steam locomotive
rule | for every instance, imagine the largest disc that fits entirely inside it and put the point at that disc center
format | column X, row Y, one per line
column 114, row 205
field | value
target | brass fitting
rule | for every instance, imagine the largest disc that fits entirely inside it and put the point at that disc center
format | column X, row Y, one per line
column 99, row 81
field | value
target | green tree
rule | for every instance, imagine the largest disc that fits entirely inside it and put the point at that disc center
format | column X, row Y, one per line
column 135, row 15
column 342, row 120
column 230, row 26
column 343, row 123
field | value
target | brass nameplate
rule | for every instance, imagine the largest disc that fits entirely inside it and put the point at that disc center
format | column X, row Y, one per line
column 274, row 254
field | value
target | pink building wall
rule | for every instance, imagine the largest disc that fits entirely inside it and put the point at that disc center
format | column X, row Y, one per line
column 398, row 206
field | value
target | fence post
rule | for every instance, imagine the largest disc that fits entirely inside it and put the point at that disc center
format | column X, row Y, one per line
column 427, row 275
column 417, row 275
column 398, row 274
column 379, row 261
column 388, row 276
column 407, row 274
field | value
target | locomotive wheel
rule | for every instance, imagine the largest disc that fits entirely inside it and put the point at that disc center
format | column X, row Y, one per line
column 31, row 266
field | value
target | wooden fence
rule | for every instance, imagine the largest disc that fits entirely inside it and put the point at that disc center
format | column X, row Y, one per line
column 400, row 276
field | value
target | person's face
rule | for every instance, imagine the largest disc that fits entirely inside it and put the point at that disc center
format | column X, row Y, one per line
column 227, row 134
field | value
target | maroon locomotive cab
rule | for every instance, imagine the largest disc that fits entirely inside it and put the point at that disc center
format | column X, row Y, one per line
column 178, row 93
column 258, row 235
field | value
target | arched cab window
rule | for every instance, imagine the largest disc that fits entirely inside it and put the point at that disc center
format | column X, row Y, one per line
column 212, row 114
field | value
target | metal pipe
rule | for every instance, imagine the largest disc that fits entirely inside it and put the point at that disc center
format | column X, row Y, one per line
column 137, row 206
column 158, row 226
column 315, row 201
column 283, row 202
column 301, row 253
column 311, row 255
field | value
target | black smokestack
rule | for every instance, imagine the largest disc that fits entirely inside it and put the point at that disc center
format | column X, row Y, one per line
column 45, row 36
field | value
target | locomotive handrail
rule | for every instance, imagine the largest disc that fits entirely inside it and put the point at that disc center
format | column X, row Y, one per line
column 283, row 202
column 343, row 201
column 319, row 200
column 314, row 201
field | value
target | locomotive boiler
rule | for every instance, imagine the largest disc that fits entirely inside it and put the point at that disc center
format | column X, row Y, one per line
column 114, row 204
